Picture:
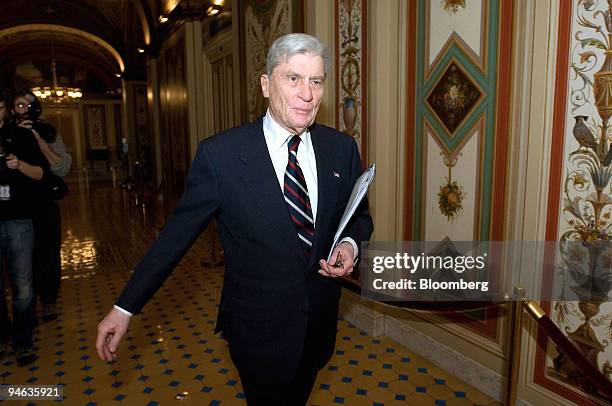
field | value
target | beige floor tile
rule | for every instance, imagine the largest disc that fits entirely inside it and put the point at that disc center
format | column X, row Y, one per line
column 75, row 400
column 381, row 395
column 419, row 399
column 158, row 381
column 383, row 374
column 365, row 382
column 478, row 397
column 102, row 395
column 421, row 379
column 440, row 392
column 402, row 387
column 459, row 402
column 358, row 400
column 321, row 398
column 343, row 389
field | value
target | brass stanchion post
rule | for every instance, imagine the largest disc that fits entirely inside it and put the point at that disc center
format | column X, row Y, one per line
column 514, row 350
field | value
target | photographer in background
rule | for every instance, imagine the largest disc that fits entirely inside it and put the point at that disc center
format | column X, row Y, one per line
column 47, row 218
column 22, row 166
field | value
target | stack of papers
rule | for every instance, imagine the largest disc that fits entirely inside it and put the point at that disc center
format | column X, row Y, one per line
column 359, row 191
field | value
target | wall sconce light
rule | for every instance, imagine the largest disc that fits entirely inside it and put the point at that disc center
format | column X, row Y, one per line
column 140, row 50
column 118, row 75
column 213, row 9
column 163, row 18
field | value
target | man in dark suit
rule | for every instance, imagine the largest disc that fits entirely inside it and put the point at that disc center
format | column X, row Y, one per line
column 277, row 187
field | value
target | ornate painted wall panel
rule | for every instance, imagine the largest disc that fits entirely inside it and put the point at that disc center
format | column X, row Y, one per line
column 351, row 74
column 457, row 141
column 95, row 126
column 580, row 194
column 262, row 22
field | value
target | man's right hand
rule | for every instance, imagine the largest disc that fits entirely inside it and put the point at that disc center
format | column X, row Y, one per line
column 110, row 332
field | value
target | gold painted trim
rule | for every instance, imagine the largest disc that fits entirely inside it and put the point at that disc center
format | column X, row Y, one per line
column 496, row 108
column 423, row 191
column 482, row 139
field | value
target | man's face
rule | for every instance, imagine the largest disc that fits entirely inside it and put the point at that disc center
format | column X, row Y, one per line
column 295, row 89
column 20, row 106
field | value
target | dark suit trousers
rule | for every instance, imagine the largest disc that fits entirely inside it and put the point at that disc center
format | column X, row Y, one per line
column 294, row 394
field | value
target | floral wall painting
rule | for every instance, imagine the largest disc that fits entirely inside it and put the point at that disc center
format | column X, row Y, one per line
column 452, row 6
column 350, row 70
column 452, row 194
column 584, row 199
column 95, row 124
column 453, row 97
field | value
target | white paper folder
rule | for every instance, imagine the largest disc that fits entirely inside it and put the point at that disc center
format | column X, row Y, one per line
column 359, row 191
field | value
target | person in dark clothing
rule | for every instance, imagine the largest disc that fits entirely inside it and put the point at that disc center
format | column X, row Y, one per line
column 278, row 206
column 27, row 107
column 47, row 219
column 22, row 166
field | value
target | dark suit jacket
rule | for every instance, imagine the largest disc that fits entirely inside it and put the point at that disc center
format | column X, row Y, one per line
column 273, row 297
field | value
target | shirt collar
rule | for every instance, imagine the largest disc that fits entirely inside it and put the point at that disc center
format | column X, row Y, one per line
column 277, row 137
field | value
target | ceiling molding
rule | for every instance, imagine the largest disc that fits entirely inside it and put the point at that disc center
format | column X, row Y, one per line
column 67, row 30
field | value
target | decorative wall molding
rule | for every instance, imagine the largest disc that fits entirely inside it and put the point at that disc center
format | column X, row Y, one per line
column 351, row 70
column 578, row 195
column 95, row 126
column 477, row 90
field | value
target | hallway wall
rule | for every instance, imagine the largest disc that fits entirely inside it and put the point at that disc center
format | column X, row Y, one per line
column 572, row 39
column 67, row 123
column 418, row 55
column 512, row 156
column 92, row 124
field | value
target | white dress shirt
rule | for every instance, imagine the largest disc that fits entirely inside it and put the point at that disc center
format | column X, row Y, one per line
column 277, row 139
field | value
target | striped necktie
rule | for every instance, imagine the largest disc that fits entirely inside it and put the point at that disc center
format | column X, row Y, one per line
column 296, row 196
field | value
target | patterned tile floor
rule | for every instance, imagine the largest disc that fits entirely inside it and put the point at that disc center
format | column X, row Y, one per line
column 170, row 355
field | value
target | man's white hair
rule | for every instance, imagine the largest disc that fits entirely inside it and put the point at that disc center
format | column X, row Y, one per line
column 292, row 44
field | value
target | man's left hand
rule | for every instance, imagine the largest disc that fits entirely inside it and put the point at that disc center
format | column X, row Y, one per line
column 12, row 162
column 341, row 263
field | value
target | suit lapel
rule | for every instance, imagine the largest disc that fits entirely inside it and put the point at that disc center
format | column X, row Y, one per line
column 260, row 178
column 328, row 190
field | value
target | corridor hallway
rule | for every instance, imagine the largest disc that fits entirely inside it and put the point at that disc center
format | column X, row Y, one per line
column 170, row 354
